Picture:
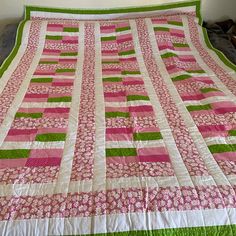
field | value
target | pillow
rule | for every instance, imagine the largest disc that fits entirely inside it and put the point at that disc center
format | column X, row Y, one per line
column 173, row 7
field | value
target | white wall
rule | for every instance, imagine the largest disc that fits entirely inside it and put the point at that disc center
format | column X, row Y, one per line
column 12, row 10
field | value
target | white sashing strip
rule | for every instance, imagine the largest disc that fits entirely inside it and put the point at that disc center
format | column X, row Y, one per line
column 120, row 222
column 24, row 86
column 99, row 170
column 176, row 160
column 7, row 74
column 206, row 155
column 36, row 189
column 68, row 153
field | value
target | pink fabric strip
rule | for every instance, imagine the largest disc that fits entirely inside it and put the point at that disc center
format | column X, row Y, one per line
column 82, row 167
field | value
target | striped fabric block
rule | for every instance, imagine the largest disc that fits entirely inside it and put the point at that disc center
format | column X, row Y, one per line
column 120, row 70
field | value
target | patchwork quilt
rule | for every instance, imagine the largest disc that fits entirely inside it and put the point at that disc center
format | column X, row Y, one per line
column 117, row 122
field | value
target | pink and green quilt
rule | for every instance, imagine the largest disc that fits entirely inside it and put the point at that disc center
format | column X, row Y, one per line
column 117, row 122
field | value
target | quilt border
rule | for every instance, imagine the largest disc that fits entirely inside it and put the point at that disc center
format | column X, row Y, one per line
column 6, row 63
column 224, row 230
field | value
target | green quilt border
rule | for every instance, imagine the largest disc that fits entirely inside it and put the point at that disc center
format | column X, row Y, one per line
column 6, row 63
column 121, row 10
column 222, row 230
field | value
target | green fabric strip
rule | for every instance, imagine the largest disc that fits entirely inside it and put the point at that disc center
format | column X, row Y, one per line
column 196, row 71
column 53, row 37
column 222, row 230
column 120, row 152
column 175, row 23
column 110, row 62
column 60, row 99
column 14, row 154
column 112, row 79
column 169, row 54
column 41, row 80
column 219, row 148
column 180, row 45
column 232, row 132
column 122, row 29
column 69, row 29
column 48, row 62
column 181, row 77
column 51, row 137
column 110, row 38
column 130, row 73
column 69, row 54
column 29, row 115
column 207, row 90
column 117, row 114
column 64, row 70
column 199, row 107
column 161, row 29
column 137, row 97
column 147, row 136
column 126, row 53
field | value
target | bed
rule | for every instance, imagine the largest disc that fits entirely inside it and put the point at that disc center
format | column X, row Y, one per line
column 117, row 122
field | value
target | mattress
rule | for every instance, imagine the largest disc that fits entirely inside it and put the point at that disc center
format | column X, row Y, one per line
column 117, row 122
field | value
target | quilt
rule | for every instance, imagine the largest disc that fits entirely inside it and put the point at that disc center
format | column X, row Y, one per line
column 117, row 122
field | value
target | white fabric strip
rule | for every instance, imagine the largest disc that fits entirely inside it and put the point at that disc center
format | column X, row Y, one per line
column 110, row 16
column 56, row 33
column 176, row 160
column 7, row 74
column 208, row 100
column 119, row 222
column 45, row 104
column 221, row 140
column 203, row 150
column 36, row 189
column 119, row 75
column 24, row 86
column 167, row 26
column 64, row 174
column 137, row 144
column 55, row 76
column 99, row 170
column 115, row 33
column 32, row 145
column 128, row 103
